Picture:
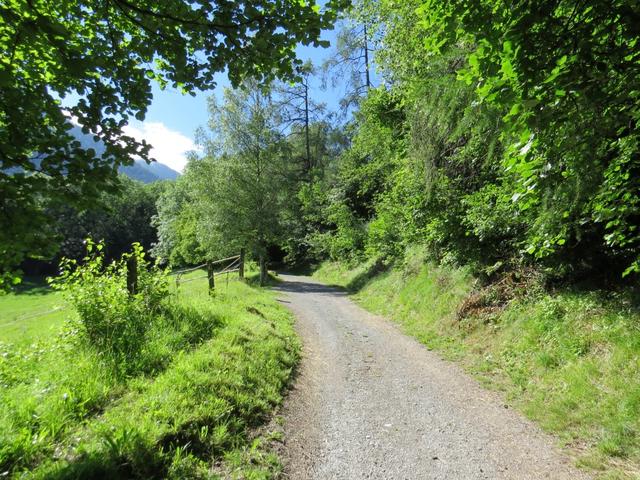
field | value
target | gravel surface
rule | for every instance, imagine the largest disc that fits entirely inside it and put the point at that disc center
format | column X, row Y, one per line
column 371, row 403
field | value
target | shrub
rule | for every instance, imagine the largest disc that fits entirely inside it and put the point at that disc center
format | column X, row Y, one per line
column 348, row 238
column 111, row 320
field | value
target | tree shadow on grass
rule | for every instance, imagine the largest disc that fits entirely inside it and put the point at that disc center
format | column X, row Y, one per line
column 371, row 270
column 33, row 286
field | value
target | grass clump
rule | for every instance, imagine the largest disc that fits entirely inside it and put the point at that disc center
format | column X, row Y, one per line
column 568, row 359
column 204, row 373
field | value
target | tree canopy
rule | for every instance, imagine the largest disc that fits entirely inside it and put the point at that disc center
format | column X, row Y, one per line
column 92, row 63
column 497, row 135
column 566, row 76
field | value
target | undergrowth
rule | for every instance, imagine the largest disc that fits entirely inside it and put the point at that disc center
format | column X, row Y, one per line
column 569, row 359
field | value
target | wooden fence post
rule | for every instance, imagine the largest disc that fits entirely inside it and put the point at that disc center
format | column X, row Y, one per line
column 132, row 275
column 241, row 266
column 263, row 270
column 211, row 277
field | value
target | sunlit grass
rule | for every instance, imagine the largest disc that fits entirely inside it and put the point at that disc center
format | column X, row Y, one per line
column 32, row 312
column 215, row 370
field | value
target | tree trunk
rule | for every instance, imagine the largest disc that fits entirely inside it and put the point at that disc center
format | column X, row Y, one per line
column 366, row 58
column 306, row 129
column 263, row 271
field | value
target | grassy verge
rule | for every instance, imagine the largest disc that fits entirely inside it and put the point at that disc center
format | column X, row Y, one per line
column 215, row 369
column 570, row 360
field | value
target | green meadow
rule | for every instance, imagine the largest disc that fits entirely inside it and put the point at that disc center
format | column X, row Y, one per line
column 211, row 371
column 31, row 312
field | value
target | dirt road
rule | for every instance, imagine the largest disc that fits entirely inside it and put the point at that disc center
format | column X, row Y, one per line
column 372, row 403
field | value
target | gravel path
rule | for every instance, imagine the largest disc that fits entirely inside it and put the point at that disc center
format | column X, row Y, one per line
column 372, row 403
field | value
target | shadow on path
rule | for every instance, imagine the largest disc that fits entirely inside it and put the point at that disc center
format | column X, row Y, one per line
column 295, row 284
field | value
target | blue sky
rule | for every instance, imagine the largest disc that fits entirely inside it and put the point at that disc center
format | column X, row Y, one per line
column 173, row 118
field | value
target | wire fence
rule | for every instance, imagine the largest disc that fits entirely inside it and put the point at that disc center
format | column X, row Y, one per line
column 190, row 269
column 233, row 267
column 234, row 264
column 180, row 282
column 30, row 316
column 180, row 273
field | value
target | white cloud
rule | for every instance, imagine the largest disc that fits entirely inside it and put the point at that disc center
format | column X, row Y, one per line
column 168, row 146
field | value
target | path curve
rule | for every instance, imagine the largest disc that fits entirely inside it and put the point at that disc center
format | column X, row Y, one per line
column 371, row 403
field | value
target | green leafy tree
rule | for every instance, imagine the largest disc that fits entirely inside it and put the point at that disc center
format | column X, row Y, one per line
column 176, row 222
column 302, row 217
column 93, row 62
column 240, row 186
column 566, row 76
column 424, row 156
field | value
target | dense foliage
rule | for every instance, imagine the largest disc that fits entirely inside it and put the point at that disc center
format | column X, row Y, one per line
column 117, row 219
column 125, row 218
column 565, row 75
column 264, row 144
column 92, row 63
column 502, row 135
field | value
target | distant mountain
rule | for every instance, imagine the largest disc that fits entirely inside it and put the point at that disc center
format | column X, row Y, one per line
column 140, row 170
column 161, row 171
column 147, row 173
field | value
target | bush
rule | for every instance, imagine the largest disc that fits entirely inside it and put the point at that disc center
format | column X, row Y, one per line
column 348, row 238
column 111, row 320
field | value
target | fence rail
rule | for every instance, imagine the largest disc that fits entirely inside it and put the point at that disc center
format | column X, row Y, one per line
column 215, row 262
column 191, row 269
column 234, row 264
column 227, row 271
column 180, row 273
